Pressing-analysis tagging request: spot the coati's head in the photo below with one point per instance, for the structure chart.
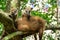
(13, 13)
(26, 12)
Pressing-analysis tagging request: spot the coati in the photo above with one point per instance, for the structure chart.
(30, 24)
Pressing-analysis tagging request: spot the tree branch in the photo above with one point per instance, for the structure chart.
(53, 28)
(12, 35)
(7, 22)
(8, 25)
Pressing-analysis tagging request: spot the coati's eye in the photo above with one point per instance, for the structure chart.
(10, 16)
(26, 11)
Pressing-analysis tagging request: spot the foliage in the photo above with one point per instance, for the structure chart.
(48, 35)
(2, 4)
(43, 15)
(25, 1)
(1, 29)
(32, 1)
(22, 6)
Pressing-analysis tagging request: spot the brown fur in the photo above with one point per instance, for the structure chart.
(33, 24)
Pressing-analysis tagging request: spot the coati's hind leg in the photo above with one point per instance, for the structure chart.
(35, 36)
(40, 33)
(21, 38)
